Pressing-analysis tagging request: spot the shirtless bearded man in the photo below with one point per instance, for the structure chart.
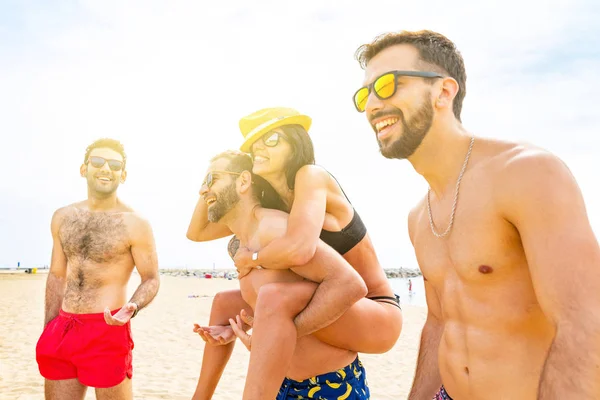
(511, 266)
(309, 367)
(96, 244)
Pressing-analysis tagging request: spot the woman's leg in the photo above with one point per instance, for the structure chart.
(225, 305)
(274, 336)
(367, 327)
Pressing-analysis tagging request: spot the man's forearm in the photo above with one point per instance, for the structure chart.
(427, 379)
(572, 368)
(332, 298)
(145, 292)
(55, 292)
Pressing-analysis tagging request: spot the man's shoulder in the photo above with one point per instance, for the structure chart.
(136, 221)
(528, 174)
(270, 215)
(506, 151)
(271, 223)
(527, 163)
(416, 211)
(414, 216)
(64, 211)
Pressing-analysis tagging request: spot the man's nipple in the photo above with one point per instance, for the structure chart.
(486, 269)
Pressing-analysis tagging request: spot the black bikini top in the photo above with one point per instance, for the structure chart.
(343, 241)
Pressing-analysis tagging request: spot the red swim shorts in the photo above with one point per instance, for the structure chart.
(84, 346)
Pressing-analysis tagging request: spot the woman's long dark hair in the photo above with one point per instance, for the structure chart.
(268, 196)
(303, 152)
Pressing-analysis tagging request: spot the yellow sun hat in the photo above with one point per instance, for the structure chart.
(255, 125)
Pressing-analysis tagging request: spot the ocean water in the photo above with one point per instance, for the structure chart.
(416, 297)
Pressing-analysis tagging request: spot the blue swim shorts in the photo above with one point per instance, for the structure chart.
(348, 383)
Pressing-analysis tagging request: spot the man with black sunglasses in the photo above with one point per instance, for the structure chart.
(236, 200)
(511, 266)
(96, 244)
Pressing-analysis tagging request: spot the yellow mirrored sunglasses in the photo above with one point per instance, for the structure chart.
(384, 86)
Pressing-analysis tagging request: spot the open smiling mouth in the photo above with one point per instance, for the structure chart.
(260, 159)
(383, 128)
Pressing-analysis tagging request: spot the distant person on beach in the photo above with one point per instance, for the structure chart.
(510, 264)
(410, 285)
(306, 365)
(96, 245)
(282, 152)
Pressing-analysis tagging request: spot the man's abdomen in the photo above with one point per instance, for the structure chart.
(93, 287)
(485, 362)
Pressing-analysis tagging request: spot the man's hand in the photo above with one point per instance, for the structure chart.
(238, 328)
(243, 262)
(122, 316)
(215, 335)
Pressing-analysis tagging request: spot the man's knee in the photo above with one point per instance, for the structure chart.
(227, 299)
(225, 305)
(220, 298)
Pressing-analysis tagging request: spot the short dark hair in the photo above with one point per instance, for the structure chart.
(303, 152)
(435, 49)
(238, 161)
(261, 189)
(106, 143)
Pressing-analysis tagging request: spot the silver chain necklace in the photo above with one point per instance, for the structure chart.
(464, 167)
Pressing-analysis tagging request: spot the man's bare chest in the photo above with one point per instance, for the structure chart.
(481, 246)
(96, 237)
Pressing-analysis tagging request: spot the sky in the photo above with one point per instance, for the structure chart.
(171, 79)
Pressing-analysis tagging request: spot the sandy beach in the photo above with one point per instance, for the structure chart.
(167, 355)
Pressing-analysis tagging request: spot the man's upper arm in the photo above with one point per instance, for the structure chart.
(58, 262)
(233, 246)
(412, 222)
(143, 249)
(434, 306)
(541, 198)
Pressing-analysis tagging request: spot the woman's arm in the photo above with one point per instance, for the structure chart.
(298, 245)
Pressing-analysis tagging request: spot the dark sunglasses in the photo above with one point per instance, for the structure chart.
(271, 139)
(98, 162)
(384, 86)
(210, 177)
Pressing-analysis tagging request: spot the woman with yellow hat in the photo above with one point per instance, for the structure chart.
(283, 154)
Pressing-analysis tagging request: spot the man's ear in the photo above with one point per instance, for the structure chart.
(83, 170)
(245, 181)
(447, 92)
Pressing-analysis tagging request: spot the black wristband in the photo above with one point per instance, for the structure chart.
(137, 308)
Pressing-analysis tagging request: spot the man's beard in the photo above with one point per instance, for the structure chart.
(226, 200)
(99, 190)
(413, 133)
